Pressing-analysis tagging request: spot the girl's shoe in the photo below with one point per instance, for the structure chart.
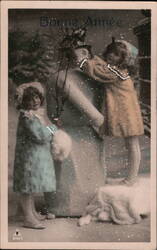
(50, 216)
(32, 225)
(39, 216)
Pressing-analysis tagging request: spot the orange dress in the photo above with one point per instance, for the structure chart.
(120, 106)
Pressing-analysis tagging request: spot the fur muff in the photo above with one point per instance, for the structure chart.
(61, 145)
(119, 203)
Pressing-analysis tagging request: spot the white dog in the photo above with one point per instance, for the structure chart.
(119, 203)
(61, 145)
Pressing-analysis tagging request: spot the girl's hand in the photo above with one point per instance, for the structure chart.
(57, 122)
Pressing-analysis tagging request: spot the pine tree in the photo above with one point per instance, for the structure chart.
(31, 57)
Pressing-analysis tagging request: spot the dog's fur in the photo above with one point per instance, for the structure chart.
(61, 145)
(119, 203)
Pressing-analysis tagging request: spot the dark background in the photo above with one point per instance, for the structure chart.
(118, 23)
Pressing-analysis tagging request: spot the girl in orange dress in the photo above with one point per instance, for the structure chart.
(120, 106)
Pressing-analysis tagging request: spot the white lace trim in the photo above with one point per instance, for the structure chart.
(118, 73)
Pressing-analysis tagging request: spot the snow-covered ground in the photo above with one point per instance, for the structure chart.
(66, 230)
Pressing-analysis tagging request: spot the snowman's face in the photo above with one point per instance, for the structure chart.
(81, 53)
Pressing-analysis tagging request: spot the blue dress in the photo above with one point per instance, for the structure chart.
(33, 166)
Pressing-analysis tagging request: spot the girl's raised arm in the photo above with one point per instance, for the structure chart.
(98, 70)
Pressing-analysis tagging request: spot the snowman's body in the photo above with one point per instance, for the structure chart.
(84, 170)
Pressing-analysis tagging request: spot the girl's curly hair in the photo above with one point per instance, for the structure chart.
(28, 94)
(119, 49)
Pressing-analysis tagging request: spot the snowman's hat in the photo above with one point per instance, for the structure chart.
(74, 40)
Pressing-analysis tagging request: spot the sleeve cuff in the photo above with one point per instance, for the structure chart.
(53, 129)
(82, 63)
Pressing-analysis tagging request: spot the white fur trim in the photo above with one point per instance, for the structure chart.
(61, 145)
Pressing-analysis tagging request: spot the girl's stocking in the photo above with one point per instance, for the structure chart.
(36, 214)
(30, 220)
(134, 158)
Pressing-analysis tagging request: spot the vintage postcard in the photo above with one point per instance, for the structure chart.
(78, 125)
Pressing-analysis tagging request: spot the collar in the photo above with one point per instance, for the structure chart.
(121, 75)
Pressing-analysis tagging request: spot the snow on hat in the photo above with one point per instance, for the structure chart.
(22, 87)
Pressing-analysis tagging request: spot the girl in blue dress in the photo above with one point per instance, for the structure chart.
(33, 166)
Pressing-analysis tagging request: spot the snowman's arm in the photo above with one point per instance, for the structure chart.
(77, 97)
